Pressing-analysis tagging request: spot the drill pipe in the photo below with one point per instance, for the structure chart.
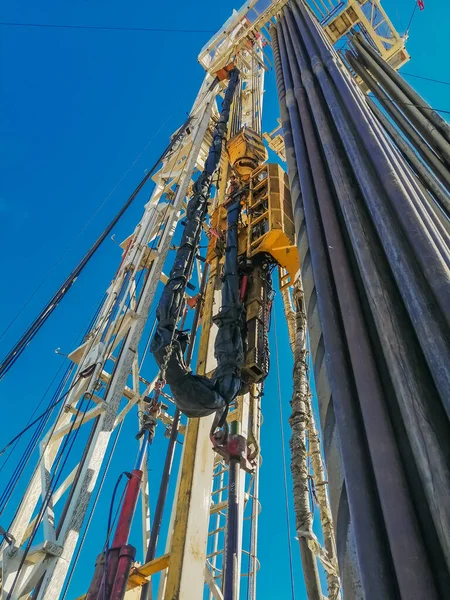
(423, 173)
(384, 216)
(348, 565)
(420, 145)
(401, 527)
(412, 95)
(356, 467)
(421, 276)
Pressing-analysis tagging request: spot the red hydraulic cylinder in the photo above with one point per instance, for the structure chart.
(126, 559)
(113, 566)
(128, 508)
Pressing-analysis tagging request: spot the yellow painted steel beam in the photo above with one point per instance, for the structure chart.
(269, 188)
(391, 49)
(139, 576)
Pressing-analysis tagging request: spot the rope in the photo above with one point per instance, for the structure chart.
(283, 452)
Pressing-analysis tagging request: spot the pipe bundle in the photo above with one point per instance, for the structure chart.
(428, 150)
(375, 267)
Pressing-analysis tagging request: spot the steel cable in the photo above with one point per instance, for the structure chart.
(39, 321)
(283, 453)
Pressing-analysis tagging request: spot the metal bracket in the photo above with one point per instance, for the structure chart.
(9, 539)
(232, 445)
(149, 418)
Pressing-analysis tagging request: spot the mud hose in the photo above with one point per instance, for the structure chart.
(198, 396)
(195, 395)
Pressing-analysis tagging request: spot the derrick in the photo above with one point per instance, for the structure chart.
(357, 229)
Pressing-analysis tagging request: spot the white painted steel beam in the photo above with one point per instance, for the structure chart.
(125, 329)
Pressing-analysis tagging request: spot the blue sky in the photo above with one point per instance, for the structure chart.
(78, 108)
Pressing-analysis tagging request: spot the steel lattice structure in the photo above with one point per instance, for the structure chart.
(355, 182)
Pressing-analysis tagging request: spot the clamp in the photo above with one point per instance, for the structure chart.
(233, 445)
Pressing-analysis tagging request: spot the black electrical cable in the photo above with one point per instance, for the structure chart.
(105, 28)
(33, 413)
(425, 78)
(52, 482)
(74, 562)
(41, 416)
(29, 334)
(25, 458)
(27, 454)
(25, 429)
(60, 451)
(50, 491)
(441, 110)
(110, 526)
(412, 17)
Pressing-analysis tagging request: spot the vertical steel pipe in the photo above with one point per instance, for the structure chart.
(430, 158)
(416, 100)
(436, 231)
(398, 513)
(421, 276)
(407, 151)
(419, 198)
(348, 565)
(425, 316)
(231, 578)
(425, 174)
(420, 122)
(357, 471)
(385, 257)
